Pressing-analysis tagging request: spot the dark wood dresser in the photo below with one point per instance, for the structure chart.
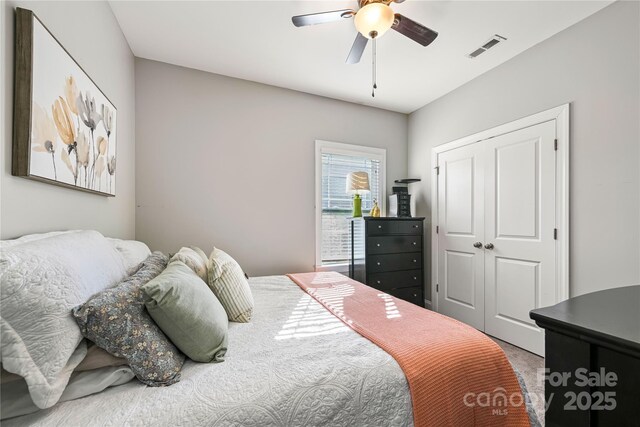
(394, 257)
(594, 342)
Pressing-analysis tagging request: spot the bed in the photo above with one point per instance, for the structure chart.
(294, 364)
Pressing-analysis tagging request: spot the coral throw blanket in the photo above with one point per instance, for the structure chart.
(457, 376)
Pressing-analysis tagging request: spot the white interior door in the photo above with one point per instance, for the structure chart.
(520, 250)
(461, 226)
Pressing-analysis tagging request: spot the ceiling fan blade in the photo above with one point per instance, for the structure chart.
(416, 32)
(322, 17)
(357, 49)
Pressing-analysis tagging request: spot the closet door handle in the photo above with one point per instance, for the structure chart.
(477, 245)
(488, 246)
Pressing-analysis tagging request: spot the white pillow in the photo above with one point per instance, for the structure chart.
(16, 400)
(31, 237)
(41, 282)
(195, 259)
(133, 253)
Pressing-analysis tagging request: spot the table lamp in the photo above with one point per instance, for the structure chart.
(357, 184)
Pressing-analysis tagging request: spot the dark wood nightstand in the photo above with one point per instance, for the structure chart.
(596, 336)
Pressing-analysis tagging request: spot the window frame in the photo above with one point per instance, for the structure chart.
(321, 146)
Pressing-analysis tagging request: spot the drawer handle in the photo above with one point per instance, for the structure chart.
(379, 226)
(378, 263)
(415, 278)
(415, 226)
(415, 243)
(378, 282)
(415, 260)
(378, 245)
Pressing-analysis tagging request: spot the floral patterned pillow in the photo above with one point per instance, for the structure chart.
(116, 320)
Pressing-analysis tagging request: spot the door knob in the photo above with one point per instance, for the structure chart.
(488, 246)
(477, 245)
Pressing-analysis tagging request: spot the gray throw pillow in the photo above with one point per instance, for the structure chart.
(188, 312)
(117, 321)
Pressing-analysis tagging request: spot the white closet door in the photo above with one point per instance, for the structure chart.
(520, 250)
(461, 216)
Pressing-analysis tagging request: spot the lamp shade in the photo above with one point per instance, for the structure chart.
(357, 182)
(374, 19)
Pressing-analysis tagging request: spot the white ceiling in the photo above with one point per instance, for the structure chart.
(255, 40)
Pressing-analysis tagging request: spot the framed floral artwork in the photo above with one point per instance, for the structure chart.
(64, 126)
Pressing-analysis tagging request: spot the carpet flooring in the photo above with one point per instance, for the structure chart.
(528, 365)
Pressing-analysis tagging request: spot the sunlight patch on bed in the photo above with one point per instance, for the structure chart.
(310, 319)
(390, 306)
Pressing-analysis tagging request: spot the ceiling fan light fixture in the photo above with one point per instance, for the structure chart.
(374, 19)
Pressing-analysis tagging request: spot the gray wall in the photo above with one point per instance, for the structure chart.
(227, 162)
(595, 66)
(91, 34)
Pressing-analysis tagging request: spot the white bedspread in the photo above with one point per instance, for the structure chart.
(295, 364)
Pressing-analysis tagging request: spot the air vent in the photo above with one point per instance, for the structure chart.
(491, 43)
(476, 52)
(488, 45)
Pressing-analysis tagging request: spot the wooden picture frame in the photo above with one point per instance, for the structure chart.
(64, 126)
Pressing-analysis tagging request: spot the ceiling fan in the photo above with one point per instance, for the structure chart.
(372, 19)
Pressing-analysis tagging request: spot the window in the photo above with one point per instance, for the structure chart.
(334, 206)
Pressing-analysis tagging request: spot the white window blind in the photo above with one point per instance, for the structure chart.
(337, 205)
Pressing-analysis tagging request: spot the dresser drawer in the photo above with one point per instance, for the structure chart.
(395, 279)
(394, 262)
(393, 244)
(377, 228)
(401, 226)
(412, 295)
(409, 227)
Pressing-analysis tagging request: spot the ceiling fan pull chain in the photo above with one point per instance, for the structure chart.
(373, 56)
